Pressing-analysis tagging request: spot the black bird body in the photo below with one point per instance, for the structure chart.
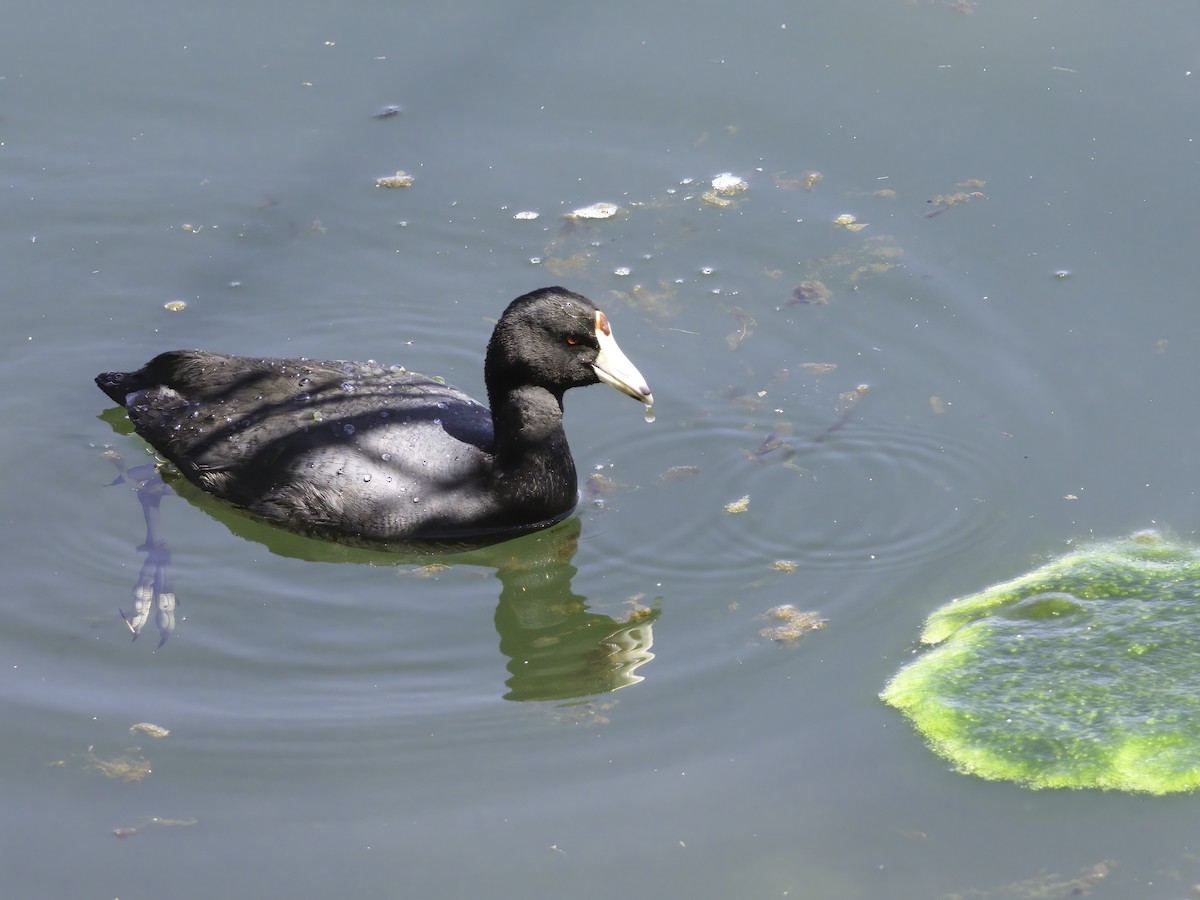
(366, 452)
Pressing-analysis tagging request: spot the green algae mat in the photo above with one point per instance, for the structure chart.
(1084, 673)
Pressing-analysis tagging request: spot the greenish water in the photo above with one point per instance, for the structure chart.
(1003, 364)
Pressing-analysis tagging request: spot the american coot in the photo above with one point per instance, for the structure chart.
(356, 451)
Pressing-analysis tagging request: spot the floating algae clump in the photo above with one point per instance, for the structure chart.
(1084, 673)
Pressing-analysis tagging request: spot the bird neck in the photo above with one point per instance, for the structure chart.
(533, 461)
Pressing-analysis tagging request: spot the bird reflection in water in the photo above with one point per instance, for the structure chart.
(557, 649)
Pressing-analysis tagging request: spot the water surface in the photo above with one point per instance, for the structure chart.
(990, 378)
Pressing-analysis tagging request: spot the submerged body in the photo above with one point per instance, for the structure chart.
(353, 450)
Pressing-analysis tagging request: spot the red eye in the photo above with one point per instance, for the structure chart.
(571, 342)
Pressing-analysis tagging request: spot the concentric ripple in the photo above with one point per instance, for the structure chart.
(867, 494)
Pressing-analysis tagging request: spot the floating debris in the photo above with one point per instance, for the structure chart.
(851, 397)
(154, 731)
(175, 305)
(811, 291)
(131, 830)
(967, 191)
(431, 570)
(185, 821)
(597, 485)
(595, 211)
(847, 403)
(526, 215)
(806, 182)
(818, 368)
(400, 180)
(638, 611)
(724, 187)
(849, 222)
(883, 257)
(729, 184)
(679, 473)
(785, 565)
(769, 445)
(563, 266)
(794, 625)
(745, 327)
(388, 112)
(129, 769)
(738, 506)
(871, 256)
(661, 301)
